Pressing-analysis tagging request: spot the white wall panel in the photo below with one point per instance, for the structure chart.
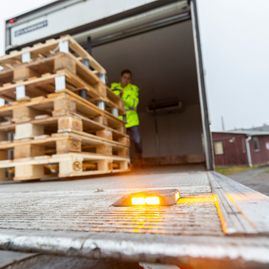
(80, 13)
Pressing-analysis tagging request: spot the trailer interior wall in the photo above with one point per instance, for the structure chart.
(163, 64)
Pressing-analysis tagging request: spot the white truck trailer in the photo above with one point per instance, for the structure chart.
(216, 223)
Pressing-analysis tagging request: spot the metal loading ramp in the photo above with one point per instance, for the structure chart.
(217, 222)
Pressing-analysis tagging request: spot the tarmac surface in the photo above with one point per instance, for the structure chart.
(257, 179)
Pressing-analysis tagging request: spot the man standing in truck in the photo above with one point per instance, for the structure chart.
(129, 93)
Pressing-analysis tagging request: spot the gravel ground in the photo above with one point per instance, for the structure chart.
(257, 179)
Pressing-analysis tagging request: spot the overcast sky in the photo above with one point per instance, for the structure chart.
(235, 43)
(235, 40)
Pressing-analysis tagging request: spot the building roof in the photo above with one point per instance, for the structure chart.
(245, 132)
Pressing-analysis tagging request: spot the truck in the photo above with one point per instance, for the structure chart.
(216, 222)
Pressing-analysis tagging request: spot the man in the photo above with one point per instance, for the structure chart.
(129, 94)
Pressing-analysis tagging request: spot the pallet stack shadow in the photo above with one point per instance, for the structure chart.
(58, 118)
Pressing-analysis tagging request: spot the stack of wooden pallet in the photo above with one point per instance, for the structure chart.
(57, 116)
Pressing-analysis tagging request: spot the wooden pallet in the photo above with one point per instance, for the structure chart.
(62, 80)
(62, 166)
(64, 44)
(62, 103)
(46, 127)
(50, 64)
(64, 143)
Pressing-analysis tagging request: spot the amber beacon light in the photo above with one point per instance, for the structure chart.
(166, 197)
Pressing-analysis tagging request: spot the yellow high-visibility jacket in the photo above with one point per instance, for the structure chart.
(130, 98)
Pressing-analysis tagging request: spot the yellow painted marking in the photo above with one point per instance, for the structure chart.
(212, 198)
(197, 199)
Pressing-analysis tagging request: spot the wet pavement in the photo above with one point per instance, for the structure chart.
(257, 179)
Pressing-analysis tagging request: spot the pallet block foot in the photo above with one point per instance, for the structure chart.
(22, 72)
(124, 140)
(28, 172)
(124, 165)
(123, 152)
(101, 88)
(23, 113)
(3, 155)
(3, 136)
(69, 123)
(68, 145)
(121, 129)
(28, 130)
(28, 150)
(69, 167)
(64, 62)
(105, 134)
(3, 176)
(103, 165)
(104, 149)
(101, 120)
(63, 107)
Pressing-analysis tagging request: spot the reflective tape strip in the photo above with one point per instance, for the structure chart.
(26, 57)
(64, 46)
(20, 92)
(60, 83)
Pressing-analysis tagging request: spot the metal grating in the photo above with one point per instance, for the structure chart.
(76, 218)
(87, 211)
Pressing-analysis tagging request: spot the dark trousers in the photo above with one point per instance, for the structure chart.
(135, 138)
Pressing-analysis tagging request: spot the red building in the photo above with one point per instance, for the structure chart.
(241, 148)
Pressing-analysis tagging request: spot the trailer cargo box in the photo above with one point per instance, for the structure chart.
(159, 42)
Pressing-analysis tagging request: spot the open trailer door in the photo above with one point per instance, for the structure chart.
(207, 139)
